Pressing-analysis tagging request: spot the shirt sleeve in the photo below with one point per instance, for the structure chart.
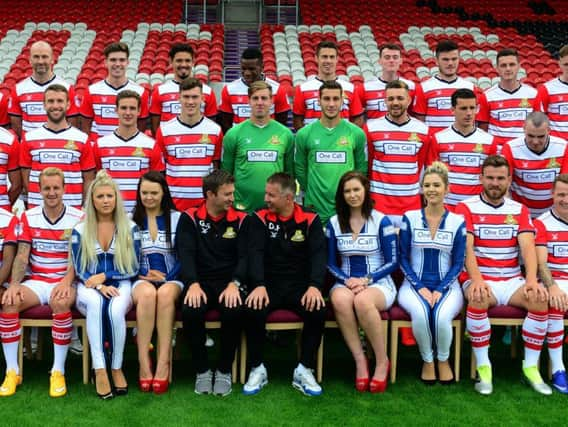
(10, 237)
(86, 108)
(316, 243)
(461, 209)
(387, 239)
(332, 266)
(226, 106)
(211, 105)
(218, 146)
(458, 259)
(25, 155)
(355, 105)
(144, 103)
(289, 154)
(73, 110)
(482, 108)
(14, 156)
(281, 100)
(540, 238)
(4, 119)
(299, 106)
(361, 158)
(87, 158)
(76, 250)
(542, 99)
(405, 236)
(420, 103)
(256, 242)
(156, 159)
(14, 107)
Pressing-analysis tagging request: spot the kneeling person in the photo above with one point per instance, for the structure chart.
(43, 246)
(287, 263)
(212, 253)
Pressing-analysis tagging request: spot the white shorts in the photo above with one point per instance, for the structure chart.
(41, 289)
(502, 290)
(385, 285)
(562, 284)
(157, 285)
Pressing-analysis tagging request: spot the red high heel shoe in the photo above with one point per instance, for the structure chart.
(145, 385)
(362, 384)
(380, 386)
(160, 386)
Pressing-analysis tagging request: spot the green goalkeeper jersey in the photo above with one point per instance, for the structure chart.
(251, 154)
(322, 157)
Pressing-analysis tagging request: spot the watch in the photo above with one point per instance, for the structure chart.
(99, 287)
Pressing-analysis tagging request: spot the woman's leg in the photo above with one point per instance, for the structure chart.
(144, 298)
(117, 309)
(168, 293)
(444, 312)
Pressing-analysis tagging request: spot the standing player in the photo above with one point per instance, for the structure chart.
(508, 103)
(165, 97)
(398, 146)
(26, 104)
(326, 149)
(235, 107)
(127, 153)
(433, 104)
(306, 106)
(191, 146)
(212, 252)
(499, 230)
(552, 98)
(43, 246)
(373, 95)
(58, 144)
(98, 112)
(534, 160)
(551, 244)
(257, 148)
(9, 169)
(463, 148)
(287, 262)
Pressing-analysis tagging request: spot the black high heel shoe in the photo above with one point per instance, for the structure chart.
(119, 391)
(106, 396)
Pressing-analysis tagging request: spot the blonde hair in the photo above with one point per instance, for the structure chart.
(52, 171)
(125, 258)
(439, 169)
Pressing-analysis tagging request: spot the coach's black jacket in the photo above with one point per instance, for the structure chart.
(212, 249)
(286, 253)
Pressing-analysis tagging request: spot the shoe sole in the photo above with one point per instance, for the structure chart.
(304, 391)
(525, 380)
(203, 392)
(255, 391)
(484, 392)
(562, 390)
(223, 394)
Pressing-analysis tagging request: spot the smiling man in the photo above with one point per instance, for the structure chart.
(191, 146)
(127, 153)
(235, 108)
(57, 144)
(26, 105)
(165, 97)
(535, 159)
(257, 148)
(98, 107)
(326, 149)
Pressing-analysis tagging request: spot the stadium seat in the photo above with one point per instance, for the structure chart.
(399, 318)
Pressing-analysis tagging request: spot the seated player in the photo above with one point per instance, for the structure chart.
(286, 269)
(365, 239)
(40, 275)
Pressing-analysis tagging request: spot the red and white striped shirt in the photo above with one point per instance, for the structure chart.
(507, 111)
(49, 242)
(435, 103)
(4, 101)
(9, 161)
(306, 100)
(126, 160)
(68, 150)
(552, 99)
(189, 153)
(397, 154)
(552, 232)
(463, 155)
(534, 174)
(26, 102)
(8, 227)
(165, 101)
(495, 230)
(99, 104)
(235, 99)
(373, 97)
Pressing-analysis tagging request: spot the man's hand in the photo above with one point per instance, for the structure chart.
(258, 298)
(231, 296)
(14, 295)
(194, 296)
(478, 291)
(312, 299)
(61, 291)
(540, 292)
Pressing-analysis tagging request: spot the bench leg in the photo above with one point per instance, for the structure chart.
(393, 352)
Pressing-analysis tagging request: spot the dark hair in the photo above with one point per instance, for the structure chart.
(396, 84)
(56, 87)
(462, 94)
(285, 181)
(341, 206)
(326, 44)
(167, 205)
(216, 179)
(252, 53)
(123, 94)
(495, 161)
(190, 83)
(330, 84)
(391, 46)
(116, 47)
(446, 46)
(180, 47)
(507, 52)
